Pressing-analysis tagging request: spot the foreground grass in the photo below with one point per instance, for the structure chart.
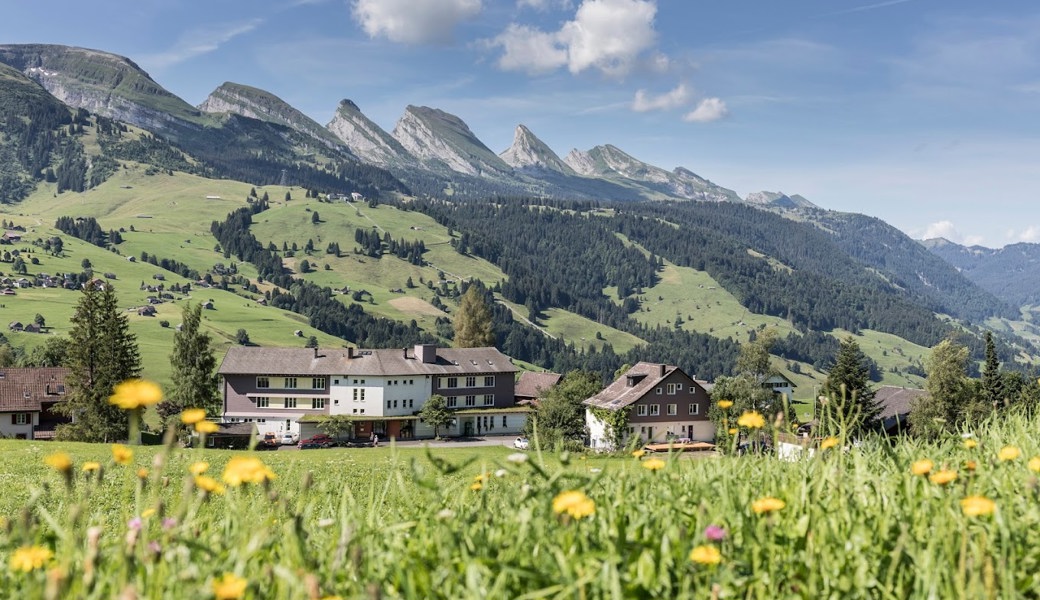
(396, 523)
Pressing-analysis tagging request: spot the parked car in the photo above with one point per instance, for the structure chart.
(318, 440)
(521, 443)
(268, 442)
(290, 439)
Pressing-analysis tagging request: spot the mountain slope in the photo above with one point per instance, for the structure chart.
(532, 155)
(778, 200)
(366, 139)
(442, 139)
(1010, 273)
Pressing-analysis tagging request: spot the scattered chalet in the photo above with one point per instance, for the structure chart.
(27, 399)
(532, 386)
(382, 391)
(780, 386)
(895, 403)
(662, 401)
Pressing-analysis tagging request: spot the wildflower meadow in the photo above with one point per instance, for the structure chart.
(958, 518)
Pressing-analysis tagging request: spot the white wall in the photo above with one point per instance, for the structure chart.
(377, 390)
(10, 430)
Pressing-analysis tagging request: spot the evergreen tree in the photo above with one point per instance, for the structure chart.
(315, 218)
(848, 389)
(560, 416)
(194, 377)
(992, 382)
(948, 391)
(435, 413)
(102, 353)
(473, 324)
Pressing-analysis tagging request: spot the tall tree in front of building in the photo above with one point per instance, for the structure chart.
(473, 324)
(847, 389)
(102, 353)
(194, 365)
(948, 389)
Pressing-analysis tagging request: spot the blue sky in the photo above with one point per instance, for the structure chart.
(925, 113)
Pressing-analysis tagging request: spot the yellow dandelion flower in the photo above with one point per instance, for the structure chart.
(970, 443)
(767, 505)
(476, 486)
(725, 404)
(828, 443)
(752, 420)
(922, 467)
(1009, 453)
(29, 558)
(706, 555)
(732, 431)
(59, 460)
(208, 484)
(135, 393)
(193, 416)
(1034, 464)
(142, 473)
(147, 513)
(575, 503)
(653, 464)
(122, 454)
(639, 453)
(943, 477)
(198, 468)
(207, 427)
(243, 469)
(229, 587)
(977, 506)
(91, 466)
(970, 465)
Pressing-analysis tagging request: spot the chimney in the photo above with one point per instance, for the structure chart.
(663, 369)
(350, 352)
(427, 353)
(315, 352)
(405, 352)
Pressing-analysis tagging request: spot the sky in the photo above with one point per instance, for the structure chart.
(924, 113)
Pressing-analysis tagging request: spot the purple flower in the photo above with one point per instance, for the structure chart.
(135, 524)
(169, 523)
(154, 547)
(714, 533)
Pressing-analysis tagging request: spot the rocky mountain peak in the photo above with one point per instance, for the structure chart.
(366, 139)
(528, 153)
(438, 138)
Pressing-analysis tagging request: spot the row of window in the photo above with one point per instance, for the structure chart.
(469, 381)
(410, 403)
(263, 382)
(654, 410)
(487, 400)
(673, 389)
(265, 402)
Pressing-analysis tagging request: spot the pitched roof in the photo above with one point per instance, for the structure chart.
(532, 384)
(895, 401)
(631, 386)
(23, 388)
(242, 360)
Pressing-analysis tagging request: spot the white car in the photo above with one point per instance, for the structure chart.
(290, 439)
(521, 443)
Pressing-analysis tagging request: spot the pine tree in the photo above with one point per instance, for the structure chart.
(102, 353)
(947, 387)
(992, 382)
(848, 388)
(473, 324)
(195, 383)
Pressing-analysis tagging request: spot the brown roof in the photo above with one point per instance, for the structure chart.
(895, 401)
(349, 361)
(533, 384)
(643, 376)
(23, 388)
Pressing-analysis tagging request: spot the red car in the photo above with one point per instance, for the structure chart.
(318, 440)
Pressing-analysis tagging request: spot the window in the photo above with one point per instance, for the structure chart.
(388, 404)
(673, 409)
(655, 410)
(21, 418)
(362, 397)
(317, 403)
(489, 381)
(453, 382)
(317, 383)
(335, 381)
(290, 403)
(673, 388)
(395, 403)
(489, 399)
(355, 394)
(471, 381)
(453, 401)
(658, 391)
(411, 403)
(695, 409)
(471, 400)
(263, 383)
(290, 383)
(504, 421)
(263, 402)
(641, 410)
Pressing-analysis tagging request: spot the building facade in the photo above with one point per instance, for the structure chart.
(663, 403)
(380, 391)
(28, 396)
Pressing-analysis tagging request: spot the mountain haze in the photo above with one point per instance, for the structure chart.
(1010, 273)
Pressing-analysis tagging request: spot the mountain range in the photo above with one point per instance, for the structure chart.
(247, 134)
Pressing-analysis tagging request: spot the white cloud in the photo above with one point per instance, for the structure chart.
(1029, 234)
(414, 21)
(605, 35)
(542, 4)
(708, 110)
(197, 42)
(946, 229)
(644, 102)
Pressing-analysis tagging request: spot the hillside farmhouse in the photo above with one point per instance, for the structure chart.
(663, 403)
(382, 391)
(27, 399)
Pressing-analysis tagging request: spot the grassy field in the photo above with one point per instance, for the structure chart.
(866, 522)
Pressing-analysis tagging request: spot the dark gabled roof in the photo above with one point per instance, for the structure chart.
(23, 388)
(643, 376)
(532, 384)
(896, 401)
(243, 360)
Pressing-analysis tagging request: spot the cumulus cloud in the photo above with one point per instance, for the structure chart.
(645, 102)
(708, 110)
(1029, 234)
(414, 21)
(605, 35)
(946, 229)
